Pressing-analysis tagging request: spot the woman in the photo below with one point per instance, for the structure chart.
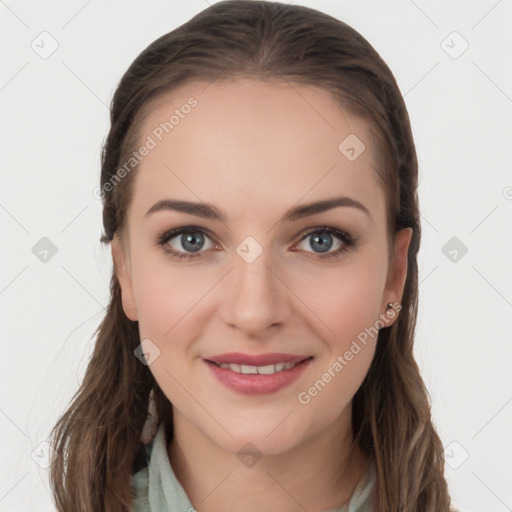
(259, 184)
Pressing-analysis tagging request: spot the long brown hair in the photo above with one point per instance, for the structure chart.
(98, 437)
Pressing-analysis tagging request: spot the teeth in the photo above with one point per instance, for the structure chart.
(248, 369)
(267, 370)
(261, 370)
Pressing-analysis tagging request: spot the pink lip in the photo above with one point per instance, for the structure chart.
(255, 384)
(256, 360)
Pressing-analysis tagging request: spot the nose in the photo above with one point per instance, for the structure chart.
(255, 295)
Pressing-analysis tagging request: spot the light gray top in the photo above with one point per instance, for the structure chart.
(157, 489)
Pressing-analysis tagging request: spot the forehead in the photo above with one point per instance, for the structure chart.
(248, 145)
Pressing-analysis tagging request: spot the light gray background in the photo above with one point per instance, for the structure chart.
(53, 121)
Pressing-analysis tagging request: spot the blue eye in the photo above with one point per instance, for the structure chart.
(192, 240)
(323, 241)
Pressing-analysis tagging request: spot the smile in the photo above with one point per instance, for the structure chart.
(257, 380)
(261, 370)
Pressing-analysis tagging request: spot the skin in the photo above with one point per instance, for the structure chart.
(255, 150)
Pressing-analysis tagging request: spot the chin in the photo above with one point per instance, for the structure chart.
(258, 445)
(263, 437)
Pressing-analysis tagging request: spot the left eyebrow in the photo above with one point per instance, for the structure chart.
(208, 211)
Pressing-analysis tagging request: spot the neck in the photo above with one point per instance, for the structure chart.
(320, 473)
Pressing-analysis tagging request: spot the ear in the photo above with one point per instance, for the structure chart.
(123, 272)
(397, 270)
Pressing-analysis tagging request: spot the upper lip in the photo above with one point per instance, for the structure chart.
(256, 360)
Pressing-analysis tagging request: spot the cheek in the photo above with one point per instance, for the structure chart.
(167, 298)
(348, 308)
(172, 311)
(347, 303)
(168, 305)
(346, 299)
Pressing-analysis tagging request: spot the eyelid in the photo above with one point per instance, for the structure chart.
(327, 229)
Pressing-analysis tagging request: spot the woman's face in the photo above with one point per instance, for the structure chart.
(253, 279)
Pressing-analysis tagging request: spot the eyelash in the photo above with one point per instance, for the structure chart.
(348, 241)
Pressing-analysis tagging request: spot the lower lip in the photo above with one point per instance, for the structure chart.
(255, 384)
